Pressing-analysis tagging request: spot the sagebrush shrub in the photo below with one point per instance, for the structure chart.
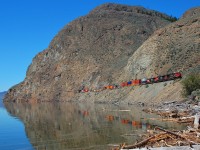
(191, 83)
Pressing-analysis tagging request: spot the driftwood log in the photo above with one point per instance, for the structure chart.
(142, 143)
(177, 135)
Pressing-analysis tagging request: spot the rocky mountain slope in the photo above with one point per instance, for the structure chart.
(113, 43)
(175, 47)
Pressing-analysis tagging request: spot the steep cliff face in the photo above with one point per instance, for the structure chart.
(90, 51)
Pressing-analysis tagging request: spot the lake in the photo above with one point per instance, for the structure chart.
(73, 126)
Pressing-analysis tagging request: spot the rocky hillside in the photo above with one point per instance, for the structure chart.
(113, 43)
(175, 47)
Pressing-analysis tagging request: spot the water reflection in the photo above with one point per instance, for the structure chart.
(82, 126)
(12, 134)
(137, 124)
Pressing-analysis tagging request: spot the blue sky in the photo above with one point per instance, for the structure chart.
(28, 26)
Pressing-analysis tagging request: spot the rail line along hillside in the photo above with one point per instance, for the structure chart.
(134, 82)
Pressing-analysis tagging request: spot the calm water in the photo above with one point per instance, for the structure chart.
(12, 133)
(72, 126)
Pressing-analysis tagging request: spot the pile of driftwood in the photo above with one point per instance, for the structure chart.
(180, 112)
(164, 138)
(174, 116)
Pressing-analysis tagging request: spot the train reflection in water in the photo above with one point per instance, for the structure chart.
(136, 124)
